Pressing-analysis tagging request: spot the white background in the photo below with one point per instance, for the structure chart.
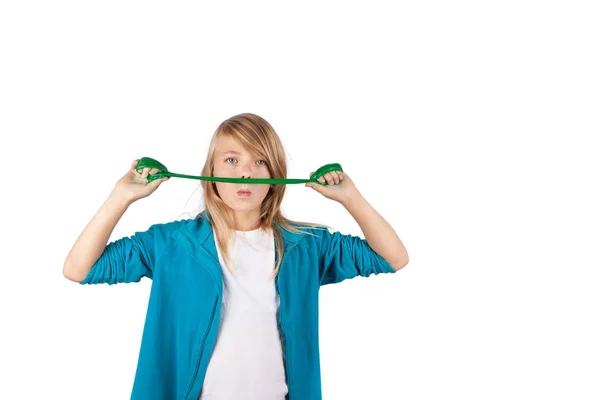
(472, 127)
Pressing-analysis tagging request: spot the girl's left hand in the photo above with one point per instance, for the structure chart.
(339, 186)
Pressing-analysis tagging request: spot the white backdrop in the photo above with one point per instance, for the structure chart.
(470, 126)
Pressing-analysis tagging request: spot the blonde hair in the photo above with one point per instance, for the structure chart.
(257, 136)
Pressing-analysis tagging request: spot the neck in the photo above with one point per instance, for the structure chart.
(246, 220)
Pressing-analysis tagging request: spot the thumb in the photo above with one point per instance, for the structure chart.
(156, 183)
(315, 186)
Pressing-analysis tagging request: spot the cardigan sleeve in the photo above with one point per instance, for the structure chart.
(346, 256)
(127, 259)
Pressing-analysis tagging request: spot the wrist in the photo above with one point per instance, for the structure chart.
(352, 200)
(119, 199)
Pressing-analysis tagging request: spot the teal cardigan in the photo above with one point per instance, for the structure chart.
(184, 307)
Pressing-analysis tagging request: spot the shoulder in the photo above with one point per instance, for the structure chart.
(163, 231)
(307, 235)
(169, 225)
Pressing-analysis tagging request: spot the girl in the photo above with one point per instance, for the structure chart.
(233, 307)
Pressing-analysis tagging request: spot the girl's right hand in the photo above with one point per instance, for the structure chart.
(134, 185)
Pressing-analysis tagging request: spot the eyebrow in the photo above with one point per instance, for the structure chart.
(235, 152)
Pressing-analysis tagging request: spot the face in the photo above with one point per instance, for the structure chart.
(233, 161)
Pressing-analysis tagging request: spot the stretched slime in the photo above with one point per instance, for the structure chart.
(147, 162)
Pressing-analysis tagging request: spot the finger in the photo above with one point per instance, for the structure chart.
(145, 172)
(340, 175)
(335, 177)
(154, 171)
(320, 179)
(134, 166)
(329, 178)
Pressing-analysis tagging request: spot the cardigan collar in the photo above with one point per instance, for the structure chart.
(199, 231)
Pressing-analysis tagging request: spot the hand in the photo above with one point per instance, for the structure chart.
(340, 187)
(134, 185)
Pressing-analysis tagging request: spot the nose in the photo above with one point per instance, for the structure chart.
(246, 171)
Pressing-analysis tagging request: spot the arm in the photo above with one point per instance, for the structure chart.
(347, 256)
(377, 231)
(91, 260)
(92, 241)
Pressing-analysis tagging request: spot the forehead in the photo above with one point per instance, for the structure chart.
(228, 144)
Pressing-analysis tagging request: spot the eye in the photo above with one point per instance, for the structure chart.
(262, 161)
(230, 158)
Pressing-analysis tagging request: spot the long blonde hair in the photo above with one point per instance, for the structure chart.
(257, 136)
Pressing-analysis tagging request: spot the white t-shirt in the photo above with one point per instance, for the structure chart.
(247, 361)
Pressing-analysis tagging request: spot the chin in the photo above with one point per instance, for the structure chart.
(241, 206)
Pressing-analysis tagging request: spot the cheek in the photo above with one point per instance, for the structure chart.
(223, 189)
(264, 191)
(217, 171)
